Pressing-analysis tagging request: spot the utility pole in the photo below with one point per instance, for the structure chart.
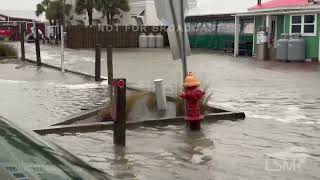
(62, 36)
(37, 43)
(169, 11)
(183, 42)
(22, 33)
(183, 52)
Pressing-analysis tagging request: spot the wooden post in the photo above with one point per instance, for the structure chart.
(119, 112)
(37, 42)
(110, 64)
(98, 63)
(22, 31)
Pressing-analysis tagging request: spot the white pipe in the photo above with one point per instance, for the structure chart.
(160, 94)
(62, 50)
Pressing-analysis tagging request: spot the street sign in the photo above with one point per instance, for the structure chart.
(174, 40)
(169, 13)
(166, 16)
(118, 83)
(172, 13)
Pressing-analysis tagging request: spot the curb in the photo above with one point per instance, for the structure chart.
(218, 113)
(66, 70)
(79, 116)
(102, 126)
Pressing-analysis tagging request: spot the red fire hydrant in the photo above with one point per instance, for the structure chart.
(193, 96)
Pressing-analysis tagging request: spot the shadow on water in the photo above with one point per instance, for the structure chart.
(195, 143)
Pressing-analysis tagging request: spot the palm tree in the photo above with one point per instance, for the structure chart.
(87, 5)
(43, 8)
(53, 10)
(110, 8)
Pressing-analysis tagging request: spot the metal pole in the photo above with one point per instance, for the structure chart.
(183, 52)
(22, 31)
(62, 37)
(183, 42)
(98, 63)
(176, 24)
(62, 50)
(110, 64)
(38, 53)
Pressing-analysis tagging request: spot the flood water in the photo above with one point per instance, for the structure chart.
(278, 140)
(39, 97)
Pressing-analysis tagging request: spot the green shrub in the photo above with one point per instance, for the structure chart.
(7, 50)
(150, 99)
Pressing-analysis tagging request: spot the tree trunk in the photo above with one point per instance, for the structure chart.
(90, 17)
(112, 18)
(108, 18)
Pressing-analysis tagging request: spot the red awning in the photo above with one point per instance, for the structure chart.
(280, 3)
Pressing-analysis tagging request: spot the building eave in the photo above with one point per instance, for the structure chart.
(278, 12)
(305, 7)
(11, 17)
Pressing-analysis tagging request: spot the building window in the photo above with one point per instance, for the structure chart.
(304, 24)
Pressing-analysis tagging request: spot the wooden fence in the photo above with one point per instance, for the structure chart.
(118, 36)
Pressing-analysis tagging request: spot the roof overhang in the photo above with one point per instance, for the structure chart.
(136, 11)
(278, 12)
(305, 7)
(16, 18)
(209, 17)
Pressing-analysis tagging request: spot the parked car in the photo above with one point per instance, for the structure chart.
(5, 34)
(25, 156)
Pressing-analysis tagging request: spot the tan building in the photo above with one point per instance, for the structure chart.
(142, 12)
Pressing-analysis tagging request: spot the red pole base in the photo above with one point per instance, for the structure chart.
(194, 126)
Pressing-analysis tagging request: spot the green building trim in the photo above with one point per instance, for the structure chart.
(284, 25)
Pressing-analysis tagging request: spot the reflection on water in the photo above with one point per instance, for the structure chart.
(150, 153)
(225, 150)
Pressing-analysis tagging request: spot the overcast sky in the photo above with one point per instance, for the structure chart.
(205, 6)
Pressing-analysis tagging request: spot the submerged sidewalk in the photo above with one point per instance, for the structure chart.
(34, 97)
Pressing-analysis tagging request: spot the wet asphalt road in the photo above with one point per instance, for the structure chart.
(278, 140)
